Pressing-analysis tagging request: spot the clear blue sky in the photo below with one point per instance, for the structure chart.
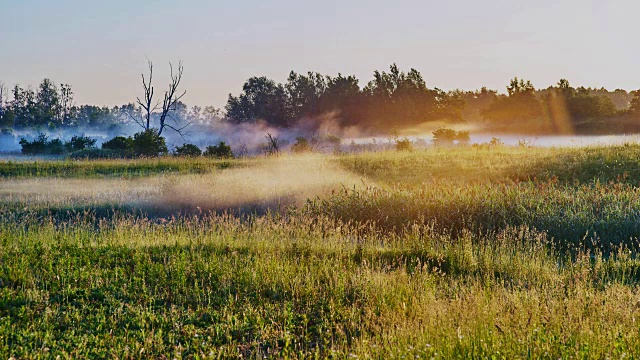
(99, 47)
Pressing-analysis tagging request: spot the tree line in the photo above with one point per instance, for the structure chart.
(393, 99)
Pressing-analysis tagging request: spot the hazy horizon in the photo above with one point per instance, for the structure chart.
(100, 49)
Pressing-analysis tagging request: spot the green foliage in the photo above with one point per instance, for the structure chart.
(222, 150)
(119, 143)
(41, 145)
(403, 97)
(392, 99)
(188, 150)
(262, 99)
(79, 143)
(117, 165)
(149, 144)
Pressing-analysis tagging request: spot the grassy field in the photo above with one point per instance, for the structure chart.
(445, 253)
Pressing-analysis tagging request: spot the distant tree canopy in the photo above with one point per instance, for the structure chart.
(393, 99)
(635, 103)
(557, 109)
(520, 106)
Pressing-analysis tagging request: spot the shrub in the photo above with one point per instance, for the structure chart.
(119, 143)
(332, 139)
(55, 147)
(149, 143)
(42, 146)
(37, 146)
(444, 136)
(463, 138)
(188, 150)
(496, 142)
(404, 144)
(301, 145)
(222, 150)
(80, 143)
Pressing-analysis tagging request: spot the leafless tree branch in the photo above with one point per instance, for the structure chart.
(3, 93)
(170, 96)
(169, 103)
(148, 97)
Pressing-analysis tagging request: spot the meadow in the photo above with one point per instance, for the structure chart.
(474, 252)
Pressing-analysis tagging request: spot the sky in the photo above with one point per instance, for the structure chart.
(100, 48)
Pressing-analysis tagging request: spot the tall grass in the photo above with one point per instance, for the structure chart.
(101, 168)
(459, 254)
(217, 286)
(593, 215)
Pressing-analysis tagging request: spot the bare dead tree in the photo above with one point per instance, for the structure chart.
(170, 101)
(3, 94)
(147, 102)
(273, 144)
(243, 151)
(314, 142)
(171, 98)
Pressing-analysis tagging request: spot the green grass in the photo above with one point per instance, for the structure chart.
(474, 253)
(101, 168)
(501, 164)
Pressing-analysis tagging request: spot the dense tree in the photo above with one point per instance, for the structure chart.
(475, 102)
(635, 103)
(578, 108)
(47, 105)
(392, 99)
(303, 94)
(23, 107)
(6, 115)
(343, 99)
(401, 99)
(261, 99)
(520, 107)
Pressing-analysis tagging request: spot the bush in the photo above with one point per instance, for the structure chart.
(42, 146)
(80, 143)
(404, 144)
(188, 150)
(463, 138)
(496, 142)
(149, 143)
(444, 136)
(301, 145)
(222, 150)
(119, 143)
(55, 147)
